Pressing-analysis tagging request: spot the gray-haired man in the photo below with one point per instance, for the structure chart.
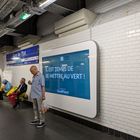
(37, 95)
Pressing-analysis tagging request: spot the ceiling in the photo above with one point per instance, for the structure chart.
(13, 27)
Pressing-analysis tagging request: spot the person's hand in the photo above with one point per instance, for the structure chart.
(43, 93)
(43, 98)
(18, 91)
(29, 82)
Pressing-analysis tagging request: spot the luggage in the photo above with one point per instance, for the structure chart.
(12, 98)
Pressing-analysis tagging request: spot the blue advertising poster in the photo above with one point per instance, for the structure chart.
(23, 57)
(68, 74)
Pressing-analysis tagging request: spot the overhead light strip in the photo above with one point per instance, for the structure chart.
(46, 3)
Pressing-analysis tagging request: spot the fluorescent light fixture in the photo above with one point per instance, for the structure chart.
(46, 3)
(24, 15)
(15, 58)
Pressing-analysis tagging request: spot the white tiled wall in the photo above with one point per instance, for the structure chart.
(119, 45)
(118, 35)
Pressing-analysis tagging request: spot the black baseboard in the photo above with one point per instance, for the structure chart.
(95, 126)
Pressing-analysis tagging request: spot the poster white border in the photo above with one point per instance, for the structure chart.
(79, 106)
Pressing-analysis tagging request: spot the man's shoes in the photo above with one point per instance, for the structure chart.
(34, 122)
(40, 125)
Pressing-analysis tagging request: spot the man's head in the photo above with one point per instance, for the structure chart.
(34, 70)
(22, 81)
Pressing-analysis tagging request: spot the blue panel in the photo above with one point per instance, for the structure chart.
(68, 74)
(23, 57)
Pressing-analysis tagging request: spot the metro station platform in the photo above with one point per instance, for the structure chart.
(14, 125)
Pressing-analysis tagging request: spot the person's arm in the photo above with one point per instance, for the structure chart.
(17, 90)
(43, 87)
(43, 93)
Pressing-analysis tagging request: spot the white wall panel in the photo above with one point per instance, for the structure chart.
(79, 106)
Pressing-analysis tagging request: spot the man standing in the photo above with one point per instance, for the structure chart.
(37, 96)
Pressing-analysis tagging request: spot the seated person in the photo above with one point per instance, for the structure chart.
(6, 86)
(22, 88)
